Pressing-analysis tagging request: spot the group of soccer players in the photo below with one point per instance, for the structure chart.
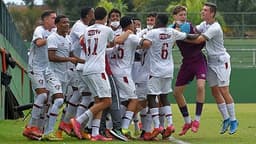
(108, 71)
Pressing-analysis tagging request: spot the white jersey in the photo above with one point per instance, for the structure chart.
(125, 56)
(62, 45)
(141, 70)
(143, 32)
(111, 55)
(77, 31)
(38, 56)
(214, 35)
(96, 39)
(160, 53)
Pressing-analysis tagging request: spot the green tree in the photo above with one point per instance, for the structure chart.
(117, 4)
(25, 20)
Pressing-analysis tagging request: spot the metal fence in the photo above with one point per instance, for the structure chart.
(9, 31)
(240, 58)
(236, 24)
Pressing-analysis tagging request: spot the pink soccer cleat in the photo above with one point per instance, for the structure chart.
(185, 128)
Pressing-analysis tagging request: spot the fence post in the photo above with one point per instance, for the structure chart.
(253, 57)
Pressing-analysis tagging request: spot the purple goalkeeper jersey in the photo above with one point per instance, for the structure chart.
(189, 51)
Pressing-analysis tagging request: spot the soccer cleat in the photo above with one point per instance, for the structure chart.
(233, 127)
(195, 126)
(168, 131)
(58, 134)
(185, 128)
(27, 133)
(33, 131)
(127, 133)
(66, 127)
(107, 133)
(156, 132)
(100, 137)
(118, 134)
(76, 127)
(225, 125)
(51, 137)
(85, 135)
(146, 136)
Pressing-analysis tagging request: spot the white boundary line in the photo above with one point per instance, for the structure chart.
(177, 141)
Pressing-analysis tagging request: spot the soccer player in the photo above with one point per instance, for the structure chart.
(151, 19)
(80, 98)
(141, 80)
(43, 79)
(59, 51)
(161, 71)
(137, 25)
(114, 110)
(96, 39)
(193, 65)
(122, 72)
(219, 68)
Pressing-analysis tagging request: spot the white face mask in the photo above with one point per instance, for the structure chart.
(150, 27)
(179, 22)
(115, 24)
(138, 30)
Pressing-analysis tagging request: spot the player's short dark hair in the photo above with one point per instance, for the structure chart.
(114, 11)
(213, 7)
(136, 19)
(153, 14)
(85, 11)
(46, 14)
(100, 13)
(178, 9)
(162, 20)
(58, 18)
(125, 21)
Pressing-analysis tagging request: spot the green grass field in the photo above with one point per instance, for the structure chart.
(208, 134)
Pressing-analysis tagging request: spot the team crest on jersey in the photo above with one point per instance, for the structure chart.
(41, 81)
(57, 87)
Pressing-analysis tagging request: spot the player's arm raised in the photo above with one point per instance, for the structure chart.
(121, 38)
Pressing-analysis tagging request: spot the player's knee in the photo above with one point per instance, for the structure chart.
(41, 99)
(58, 102)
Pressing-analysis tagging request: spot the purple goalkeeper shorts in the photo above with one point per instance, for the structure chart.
(189, 70)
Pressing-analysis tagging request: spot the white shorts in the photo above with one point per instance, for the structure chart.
(74, 78)
(98, 84)
(45, 79)
(82, 86)
(157, 86)
(125, 87)
(65, 80)
(141, 90)
(219, 75)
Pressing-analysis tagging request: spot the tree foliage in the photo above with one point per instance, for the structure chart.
(117, 4)
(26, 20)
